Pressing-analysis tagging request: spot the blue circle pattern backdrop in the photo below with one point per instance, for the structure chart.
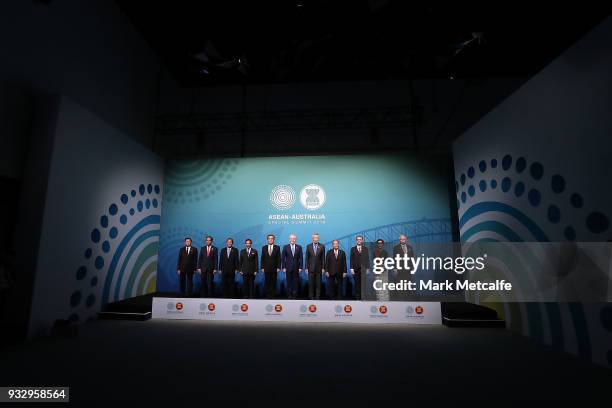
(120, 259)
(510, 198)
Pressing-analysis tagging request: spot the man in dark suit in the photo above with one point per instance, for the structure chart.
(315, 265)
(186, 265)
(291, 262)
(228, 265)
(249, 264)
(335, 269)
(360, 262)
(401, 249)
(270, 265)
(207, 266)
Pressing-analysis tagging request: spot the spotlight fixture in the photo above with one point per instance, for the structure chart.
(477, 38)
(210, 60)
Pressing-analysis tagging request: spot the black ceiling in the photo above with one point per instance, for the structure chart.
(307, 40)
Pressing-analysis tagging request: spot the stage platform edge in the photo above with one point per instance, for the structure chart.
(282, 310)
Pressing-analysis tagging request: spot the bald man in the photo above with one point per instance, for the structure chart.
(401, 249)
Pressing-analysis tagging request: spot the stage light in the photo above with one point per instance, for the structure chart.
(478, 36)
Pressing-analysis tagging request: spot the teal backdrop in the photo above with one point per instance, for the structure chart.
(379, 196)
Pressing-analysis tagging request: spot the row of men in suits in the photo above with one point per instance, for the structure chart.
(290, 259)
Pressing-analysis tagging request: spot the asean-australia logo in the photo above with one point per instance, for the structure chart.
(312, 197)
(282, 197)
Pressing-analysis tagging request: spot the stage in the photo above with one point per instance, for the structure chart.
(282, 310)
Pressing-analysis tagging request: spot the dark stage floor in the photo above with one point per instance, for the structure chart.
(190, 363)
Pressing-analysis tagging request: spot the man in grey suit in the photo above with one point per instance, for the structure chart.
(402, 249)
(315, 265)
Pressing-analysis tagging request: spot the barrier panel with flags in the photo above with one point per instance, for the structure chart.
(341, 311)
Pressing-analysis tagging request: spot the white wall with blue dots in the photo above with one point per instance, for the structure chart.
(537, 169)
(100, 232)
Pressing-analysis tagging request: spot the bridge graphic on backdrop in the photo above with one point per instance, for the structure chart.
(423, 230)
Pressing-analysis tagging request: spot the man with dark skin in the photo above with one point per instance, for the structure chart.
(381, 252)
(360, 262)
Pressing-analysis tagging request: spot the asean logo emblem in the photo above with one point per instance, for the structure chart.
(211, 307)
(244, 307)
(282, 197)
(312, 308)
(179, 306)
(278, 308)
(418, 309)
(312, 197)
(348, 309)
(382, 309)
